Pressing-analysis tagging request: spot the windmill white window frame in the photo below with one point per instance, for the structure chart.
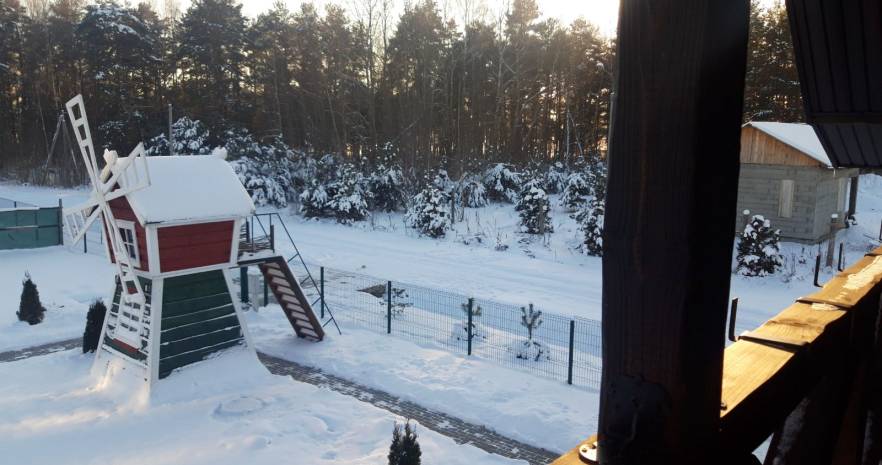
(129, 236)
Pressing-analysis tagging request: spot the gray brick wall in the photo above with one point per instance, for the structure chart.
(814, 198)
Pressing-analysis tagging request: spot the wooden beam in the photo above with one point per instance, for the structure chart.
(673, 170)
(764, 383)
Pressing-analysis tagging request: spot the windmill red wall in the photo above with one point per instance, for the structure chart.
(194, 245)
(123, 211)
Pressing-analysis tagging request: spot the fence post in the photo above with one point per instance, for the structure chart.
(388, 307)
(243, 284)
(322, 289)
(471, 307)
(86, 242)
(265, 292)
(570, 360)
(840, 265)
(817, 269)
(272, 236)
(60, 223)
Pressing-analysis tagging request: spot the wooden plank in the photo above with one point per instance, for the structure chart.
(762, 384)
(668, 229)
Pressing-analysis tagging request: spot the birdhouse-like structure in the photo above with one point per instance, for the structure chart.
(173, 232)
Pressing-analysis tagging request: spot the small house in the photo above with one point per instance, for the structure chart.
(787, 177)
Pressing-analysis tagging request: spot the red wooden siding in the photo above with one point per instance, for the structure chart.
(194, 245)
(123, 211)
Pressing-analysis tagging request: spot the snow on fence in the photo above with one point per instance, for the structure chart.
(561, 348)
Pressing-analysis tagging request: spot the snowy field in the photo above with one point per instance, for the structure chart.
(228, 410)
(51, 399)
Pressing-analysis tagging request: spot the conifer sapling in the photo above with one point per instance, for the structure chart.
(94, 322)
(405, 450)
(30, 309)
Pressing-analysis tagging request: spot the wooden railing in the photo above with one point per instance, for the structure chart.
(805, 377)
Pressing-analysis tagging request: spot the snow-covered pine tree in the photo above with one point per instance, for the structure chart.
(555, 178)
(597, 176)
(534, 208)
(502, 183)
(314, 200)
(386, 182)
(191, 138)
(405, 449)
(590, 221)
(266, 171)
(531, 320)
(461, 331)
(473, 194)
(759, 253)
(30, 309)
(94, 322)
(429, 212)
(347, 201)
(575, 192)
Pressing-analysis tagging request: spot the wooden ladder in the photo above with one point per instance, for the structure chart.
(290, 297)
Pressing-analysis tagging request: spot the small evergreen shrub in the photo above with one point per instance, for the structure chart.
(575, 192)
(590, 221)
(94, 323)
(531, 320)
(759, 253)
(461, 331)
(405, 449)
(535, 210)
(386, 183)
(555, 178)
(474, 194)
(429, 213)
(30, 309)
(347, 200)
(502, 183)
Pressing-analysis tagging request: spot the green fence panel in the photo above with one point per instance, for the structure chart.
(30, 228)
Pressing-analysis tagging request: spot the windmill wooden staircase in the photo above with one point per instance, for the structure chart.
(290, 296)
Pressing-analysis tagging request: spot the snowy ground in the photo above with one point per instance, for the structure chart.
(229, 410)
(515, 403)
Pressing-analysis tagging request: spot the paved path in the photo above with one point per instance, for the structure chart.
(462, 432)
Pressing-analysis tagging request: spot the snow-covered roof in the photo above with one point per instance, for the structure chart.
(182, 188)
(800, 136)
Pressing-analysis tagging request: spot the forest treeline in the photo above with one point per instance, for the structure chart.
(458, 90)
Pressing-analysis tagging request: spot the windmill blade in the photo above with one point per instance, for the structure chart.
(76, 110)
(77, 222)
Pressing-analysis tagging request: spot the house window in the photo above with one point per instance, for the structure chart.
(842, 195)
(129, 240)
(785, 200)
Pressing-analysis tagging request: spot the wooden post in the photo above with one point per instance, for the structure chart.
(852, 198)
(673, 180)
(831, 243)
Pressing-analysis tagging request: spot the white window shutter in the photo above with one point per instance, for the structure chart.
(785, 201)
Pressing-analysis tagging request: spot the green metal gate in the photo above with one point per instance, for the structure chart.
(30, 227)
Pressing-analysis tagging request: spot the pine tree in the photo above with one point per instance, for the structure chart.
(529, 349)
(461, 331)
(30, 309)
(386, 182)
(759, 253)
(94, 323)
(590, 221)
(575, 192)
(535, 210)
(502, 183)
(429, 212)
(405, 450)
(555, 178)
(473, 194)
(191, 138)
(347, 201)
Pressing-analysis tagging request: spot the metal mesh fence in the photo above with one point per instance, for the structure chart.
(524, 337)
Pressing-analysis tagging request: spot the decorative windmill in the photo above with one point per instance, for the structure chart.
(118, 179)
(173, 233)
